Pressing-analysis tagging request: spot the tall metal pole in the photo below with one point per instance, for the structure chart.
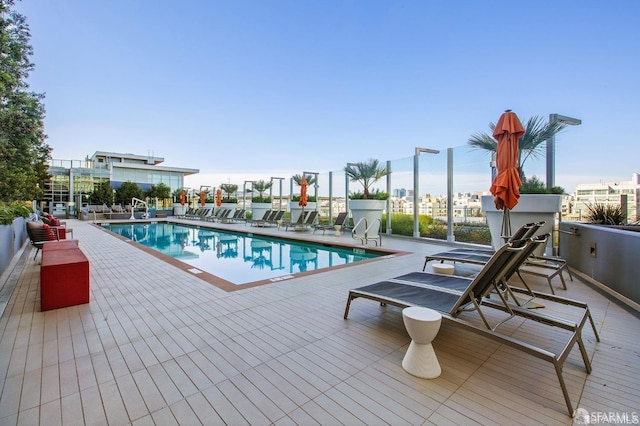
(551, 146)
(346, 190)
(271, 191)
(551, 155)
(330, 198)
(450, 237)
(416, 198)
(389, 198)
(416, 187)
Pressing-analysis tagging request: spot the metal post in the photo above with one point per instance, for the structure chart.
(330, 198)
(551, 146)
(346, 188)
(244, 193)
(271, 192)
(416, 188)
(450, 237)
(389, 198)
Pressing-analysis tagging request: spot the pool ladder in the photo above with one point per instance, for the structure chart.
(367, 230)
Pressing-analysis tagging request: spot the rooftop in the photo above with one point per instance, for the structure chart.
(158, 345)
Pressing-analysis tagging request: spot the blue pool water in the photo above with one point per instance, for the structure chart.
(236, 257)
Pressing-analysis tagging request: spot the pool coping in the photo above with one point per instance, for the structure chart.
(228, 285)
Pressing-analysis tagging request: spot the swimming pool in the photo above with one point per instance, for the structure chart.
(237, 258)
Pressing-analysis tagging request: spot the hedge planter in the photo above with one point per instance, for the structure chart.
(371, 210)
(259, 209)
(296, 210)
(530, 208)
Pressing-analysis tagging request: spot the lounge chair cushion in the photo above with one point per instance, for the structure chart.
(49, 233)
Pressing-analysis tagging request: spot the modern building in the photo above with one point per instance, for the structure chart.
(611, 194)
(73, 180)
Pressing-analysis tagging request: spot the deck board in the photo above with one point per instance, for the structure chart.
(158, 345)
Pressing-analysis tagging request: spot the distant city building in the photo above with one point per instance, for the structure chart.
(613, 194)
(399, 192)
(73, 180)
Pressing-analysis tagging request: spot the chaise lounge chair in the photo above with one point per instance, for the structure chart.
(238, 215)
(306, 223)
(340, 221)
(254, 221)
(543, 267)
(300, 221)
(452, 295)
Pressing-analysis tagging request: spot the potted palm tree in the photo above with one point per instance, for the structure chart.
(229, 199)
(537, 203)
(295, 209)
(367, 204)
(260, 203)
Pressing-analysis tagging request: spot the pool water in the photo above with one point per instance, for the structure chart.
(236, 257)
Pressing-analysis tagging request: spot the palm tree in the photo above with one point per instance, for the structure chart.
(229, 189)
(367, 173)
(532, 143)
(261, 187)
(311, 179)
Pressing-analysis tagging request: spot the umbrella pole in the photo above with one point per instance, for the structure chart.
(506, 225)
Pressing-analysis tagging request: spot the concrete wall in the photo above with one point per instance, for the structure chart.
(606, 254)
(11, 239)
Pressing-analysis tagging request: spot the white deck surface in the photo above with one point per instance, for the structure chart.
(158, 345)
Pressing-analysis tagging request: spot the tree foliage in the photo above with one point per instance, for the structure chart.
(229, 189)
(367, 173)
(159, 191)
(261, 187)
(102, 194)
(127, 191)
(23, 153)
(531, 144)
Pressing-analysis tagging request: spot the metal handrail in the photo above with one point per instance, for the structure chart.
(366, 238)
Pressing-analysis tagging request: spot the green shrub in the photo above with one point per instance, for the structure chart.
(534, 185)
(310, 199)
(605, 214)
(373, 195)
(472, 233)
(8, 212)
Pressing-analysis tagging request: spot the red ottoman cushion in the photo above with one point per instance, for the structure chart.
(64, 278)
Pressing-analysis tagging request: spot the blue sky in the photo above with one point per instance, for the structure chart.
(244, 89)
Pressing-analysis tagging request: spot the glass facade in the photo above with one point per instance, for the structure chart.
(72, 181)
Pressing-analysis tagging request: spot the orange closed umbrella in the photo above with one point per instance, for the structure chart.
(202, 198)
(182, 198)
(218, 198)
(506, 186)
(303, 193)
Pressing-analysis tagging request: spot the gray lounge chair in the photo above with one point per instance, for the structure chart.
(307, 222)
(274, 219)
(340, 221)
(453, 295)
(300, 221)
(543, 267)
(254, 221)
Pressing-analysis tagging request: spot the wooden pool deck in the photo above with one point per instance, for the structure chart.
(158, 345)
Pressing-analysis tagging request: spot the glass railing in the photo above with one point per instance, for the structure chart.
(450, 184)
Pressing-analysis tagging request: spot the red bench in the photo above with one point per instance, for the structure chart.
(64, 275)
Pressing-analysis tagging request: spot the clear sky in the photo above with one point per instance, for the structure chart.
(244, 88)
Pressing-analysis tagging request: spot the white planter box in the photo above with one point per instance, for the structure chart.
(259, 209)
(371, 210)
(296, 210)
(530, 208)
(179, 210)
